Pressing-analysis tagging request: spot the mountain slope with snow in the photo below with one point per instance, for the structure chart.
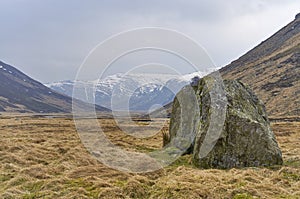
(135, 92)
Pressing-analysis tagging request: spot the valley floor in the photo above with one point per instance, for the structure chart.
(44, 158)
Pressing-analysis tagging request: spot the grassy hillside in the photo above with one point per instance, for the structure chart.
(272, 69)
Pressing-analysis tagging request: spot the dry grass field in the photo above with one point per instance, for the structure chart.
(44, 158)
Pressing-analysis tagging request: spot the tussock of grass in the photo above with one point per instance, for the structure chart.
(44, 158)
(166, 137)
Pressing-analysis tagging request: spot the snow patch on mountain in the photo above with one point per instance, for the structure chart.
(137, 92)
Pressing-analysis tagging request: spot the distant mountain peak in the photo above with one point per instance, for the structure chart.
(142, 89)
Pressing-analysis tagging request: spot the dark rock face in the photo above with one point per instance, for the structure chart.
(224, 131)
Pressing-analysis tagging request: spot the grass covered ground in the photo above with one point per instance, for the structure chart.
(44, 158)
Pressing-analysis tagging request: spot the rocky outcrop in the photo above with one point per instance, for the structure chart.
(224, 125)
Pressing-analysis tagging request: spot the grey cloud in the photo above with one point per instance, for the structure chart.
(49, 39)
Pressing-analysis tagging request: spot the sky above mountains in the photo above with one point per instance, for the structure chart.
(49, 39)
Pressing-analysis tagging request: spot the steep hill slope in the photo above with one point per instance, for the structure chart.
(20, 93)
(272, 69)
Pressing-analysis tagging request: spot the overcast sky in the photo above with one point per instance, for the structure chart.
(49, 39)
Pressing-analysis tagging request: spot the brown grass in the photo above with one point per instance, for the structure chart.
(44, 158)
(279, 69)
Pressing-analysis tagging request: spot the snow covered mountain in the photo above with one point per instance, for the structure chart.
(136, 92)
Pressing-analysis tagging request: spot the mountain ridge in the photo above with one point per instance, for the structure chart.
(21, 93)
(272, 70)
(141, 90)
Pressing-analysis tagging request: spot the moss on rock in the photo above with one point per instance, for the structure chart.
(245, 138)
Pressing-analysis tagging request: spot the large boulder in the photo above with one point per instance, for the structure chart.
(224, 125)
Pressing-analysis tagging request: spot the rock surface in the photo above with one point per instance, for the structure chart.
(223, 130)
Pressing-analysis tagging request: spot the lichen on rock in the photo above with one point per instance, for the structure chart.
(223, 130)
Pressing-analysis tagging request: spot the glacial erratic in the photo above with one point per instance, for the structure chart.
(223, 131)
